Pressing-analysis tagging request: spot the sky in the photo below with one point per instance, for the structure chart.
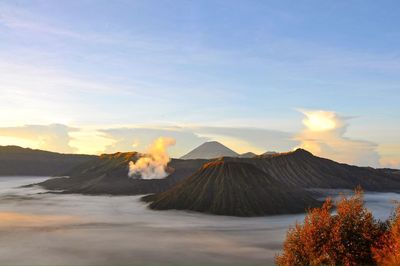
(106, 76)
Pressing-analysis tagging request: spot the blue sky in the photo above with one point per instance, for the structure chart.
(95, 67)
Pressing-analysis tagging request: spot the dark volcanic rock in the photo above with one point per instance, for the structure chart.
(301, 168)
(15, 161)
(233, 188)
(108, 174)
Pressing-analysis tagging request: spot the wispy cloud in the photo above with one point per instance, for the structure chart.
(138, 138)
(324, 135)
(37, 94)
(75, 70)
(17, 18)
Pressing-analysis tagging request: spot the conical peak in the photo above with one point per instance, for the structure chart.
(301, 151)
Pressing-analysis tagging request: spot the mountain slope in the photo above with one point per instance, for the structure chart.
(15, 160)
(247, 155)
(108, 174)
(301, 168)
(269, 153)
(232, 188)
(210, 150)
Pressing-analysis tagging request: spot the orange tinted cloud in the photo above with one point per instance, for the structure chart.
(324, 135)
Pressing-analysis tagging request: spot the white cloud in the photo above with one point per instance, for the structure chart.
(390, 155)
(324, 135)
(44, 94)
(245, 139)
(125, 137)
(54, 137)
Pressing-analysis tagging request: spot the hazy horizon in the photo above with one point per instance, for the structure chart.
(97, 76)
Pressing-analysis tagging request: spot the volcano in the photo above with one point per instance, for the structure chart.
(233, 188)
(210, 150)
(301, 168)
(108, 174)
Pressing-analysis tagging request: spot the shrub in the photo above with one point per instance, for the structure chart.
(345, 238)
(307, 244)
(387, 249)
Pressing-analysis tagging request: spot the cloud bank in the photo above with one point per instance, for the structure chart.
(53, 137)
(324, 135)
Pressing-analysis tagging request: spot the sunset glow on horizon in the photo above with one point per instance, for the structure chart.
(99, 77)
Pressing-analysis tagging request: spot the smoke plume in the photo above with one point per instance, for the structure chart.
(153, 163)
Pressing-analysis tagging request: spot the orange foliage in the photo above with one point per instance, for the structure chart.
(387, 250)
(354, 232)
(345, 238)
(307, 244)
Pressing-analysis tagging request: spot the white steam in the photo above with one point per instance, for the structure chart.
(153, 164)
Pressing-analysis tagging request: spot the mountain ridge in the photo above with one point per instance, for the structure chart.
(302, 168)
(210, 150)
(234, 188)
(16, 160)
(247, 155)
(108, 174)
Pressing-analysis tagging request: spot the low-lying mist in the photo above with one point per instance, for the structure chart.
(58, 229)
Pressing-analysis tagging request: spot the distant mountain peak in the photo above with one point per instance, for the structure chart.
(213, 142)
(301, 151)
(270, 153)
(210, 150)
(247, 155)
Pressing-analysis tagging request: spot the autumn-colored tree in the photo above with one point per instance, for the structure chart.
(354, 232)
(307, 244)
(345, 238)
(387, 249)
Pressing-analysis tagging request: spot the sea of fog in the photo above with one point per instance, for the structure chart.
(38, 228)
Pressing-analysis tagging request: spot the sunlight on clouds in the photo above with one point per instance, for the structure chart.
(128, 138)
(53, 137)
(390, 162)
(57, 138)
(5, 141)
(390, 155)
(14, 219)
(320, 120)
(324, 135)
(90, 141)
(135, 143)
